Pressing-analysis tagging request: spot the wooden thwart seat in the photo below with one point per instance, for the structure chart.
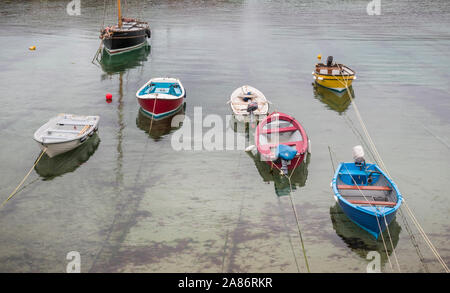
(75, 122)
(374, 203)
(363, 187)
(62, 131)
(284, 129)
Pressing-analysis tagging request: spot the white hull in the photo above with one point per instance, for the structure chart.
(55, 149)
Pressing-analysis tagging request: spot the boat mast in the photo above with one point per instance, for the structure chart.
(120, 14)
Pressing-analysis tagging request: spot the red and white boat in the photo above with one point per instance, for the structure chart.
(281, 141)
(161, 97)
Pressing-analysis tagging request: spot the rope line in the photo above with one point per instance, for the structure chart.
(295, 210)
(298, 225)
(381, 163)
(392, 245)
(23, 180)
(372, 145)
(378, 221)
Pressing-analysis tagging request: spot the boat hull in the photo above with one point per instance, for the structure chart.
(54, 138)
(54, 149)
(125, 41)
(335, 83)
(371, 222)
(163, 107)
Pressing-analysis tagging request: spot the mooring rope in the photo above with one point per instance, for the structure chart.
(104, 13)
(295, 210)
(378, 156)
(298, 225)
(379, 226)
(289, 236)
(377, 211)
(23, 180)
(372, 148)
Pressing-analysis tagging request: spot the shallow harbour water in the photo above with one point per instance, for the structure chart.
(129, 203)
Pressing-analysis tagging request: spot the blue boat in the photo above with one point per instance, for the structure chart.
(366, 195)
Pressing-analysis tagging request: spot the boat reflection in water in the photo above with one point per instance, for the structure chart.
(50, 168)
(159, 127)
(246, 129)
(358, 240)
(337, 101)
(281, 183)
(238, 126)
(112, 64)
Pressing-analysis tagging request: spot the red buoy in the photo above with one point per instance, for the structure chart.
(108, 97)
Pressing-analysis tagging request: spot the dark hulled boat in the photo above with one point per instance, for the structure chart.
(127, 35)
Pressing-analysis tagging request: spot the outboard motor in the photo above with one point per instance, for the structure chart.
(330, 61)
(252, 107)
(286, 154)
(358, 156)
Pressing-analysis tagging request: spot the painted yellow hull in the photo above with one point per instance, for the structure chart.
(337, 83)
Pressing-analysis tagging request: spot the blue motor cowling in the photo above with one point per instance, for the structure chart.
(286, 154)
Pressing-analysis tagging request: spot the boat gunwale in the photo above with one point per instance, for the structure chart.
(268, 119)
(156, 96)
(92, 128)
(372, 213)
(337, 66)
(259, 94)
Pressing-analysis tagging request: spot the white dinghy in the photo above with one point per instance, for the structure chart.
(65, 132)
(246, 102)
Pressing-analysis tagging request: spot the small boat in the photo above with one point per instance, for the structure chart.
(65, 132)
(281, 141)
(128, 34)
(161, 97)
(247, 102)
(337, 77)
(366, 194)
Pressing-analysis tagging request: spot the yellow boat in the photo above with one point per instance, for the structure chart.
(337, 77)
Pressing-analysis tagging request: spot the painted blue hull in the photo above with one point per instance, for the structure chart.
(367, 221)
(372, 218)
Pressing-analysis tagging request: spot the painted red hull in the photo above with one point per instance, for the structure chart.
(162, 108)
